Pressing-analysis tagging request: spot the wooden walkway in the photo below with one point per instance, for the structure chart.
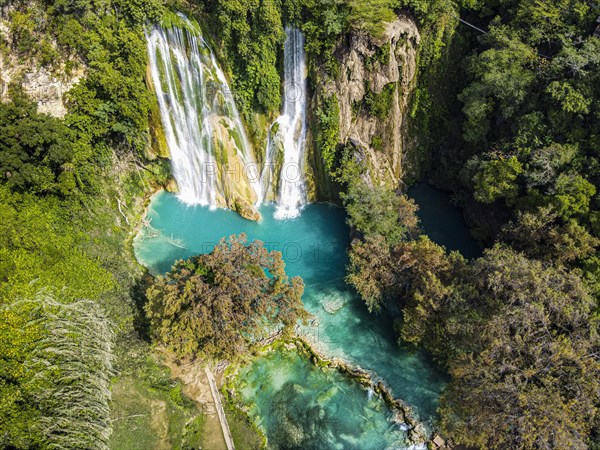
(219, 407)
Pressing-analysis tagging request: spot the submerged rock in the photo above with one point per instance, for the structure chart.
(403, 414)
(333, 302)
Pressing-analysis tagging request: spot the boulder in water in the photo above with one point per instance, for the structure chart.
(246, 210)
(171, 186)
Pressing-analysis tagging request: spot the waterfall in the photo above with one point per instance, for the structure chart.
(211, 158)
(285, 173)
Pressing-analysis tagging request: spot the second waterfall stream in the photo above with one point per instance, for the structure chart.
(283, 175)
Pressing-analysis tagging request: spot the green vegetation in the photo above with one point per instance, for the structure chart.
(375, 210)
(381, 56)
(380, 104)
(27, 40)
(371, 16)
(39, 162)
(377, 143)
(250, 33)
(516, 329)
(219, 305)
(495, 178)
(328, 130)
(56, 367)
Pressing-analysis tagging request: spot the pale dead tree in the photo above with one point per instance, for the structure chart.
(72, 367)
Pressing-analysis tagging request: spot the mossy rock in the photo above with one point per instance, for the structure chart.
(171, 186)
(246, 210)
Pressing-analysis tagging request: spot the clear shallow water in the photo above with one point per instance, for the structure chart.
(313, 246)
(306, 407)
(442, 221)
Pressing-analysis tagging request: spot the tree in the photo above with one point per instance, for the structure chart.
(55, 374)
(524, 364)
(573, 194)
(569, 98)
(36, 151)
(378, 210)
(503, 78)
(221, 304)
(545, 163)
(541, 236)
(495, 178)
(552, 22)
(371, 271)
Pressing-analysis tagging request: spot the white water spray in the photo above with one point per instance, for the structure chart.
(292, 128)
(202, 126)
(370, 394)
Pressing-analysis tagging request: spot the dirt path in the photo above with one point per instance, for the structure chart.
(198, 388)
(160, 424)
(220, 411)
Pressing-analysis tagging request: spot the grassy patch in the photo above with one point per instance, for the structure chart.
(149, 410)
(245, 434)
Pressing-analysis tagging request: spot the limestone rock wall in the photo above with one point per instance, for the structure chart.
(45, 86)
(368, 67)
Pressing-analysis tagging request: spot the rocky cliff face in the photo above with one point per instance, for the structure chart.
(44, 88)
(47, 87)
(373, 88)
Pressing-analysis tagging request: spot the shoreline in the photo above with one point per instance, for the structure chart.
(402, 413)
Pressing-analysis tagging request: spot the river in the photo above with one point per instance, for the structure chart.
(320, 407)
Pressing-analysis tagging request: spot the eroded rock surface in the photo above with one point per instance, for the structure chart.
(47, 87)
(373, 89)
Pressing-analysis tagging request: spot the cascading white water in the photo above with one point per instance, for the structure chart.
(203, 130)
(292, 128)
